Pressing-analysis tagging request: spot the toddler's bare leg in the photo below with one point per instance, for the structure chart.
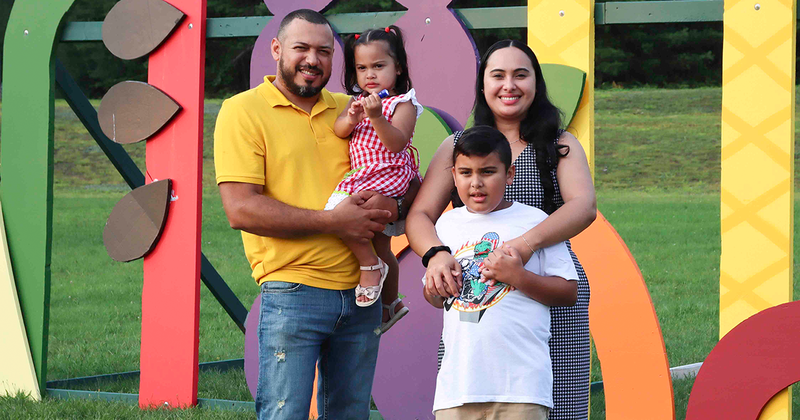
(366, 256)
(383, 246)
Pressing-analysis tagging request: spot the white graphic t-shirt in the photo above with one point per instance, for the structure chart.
(495, 339)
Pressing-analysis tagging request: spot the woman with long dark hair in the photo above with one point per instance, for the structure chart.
(552, 173)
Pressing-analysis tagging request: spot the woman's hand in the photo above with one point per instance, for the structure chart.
(443, 276)
(503, 265)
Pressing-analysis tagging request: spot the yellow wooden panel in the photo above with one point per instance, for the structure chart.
(758, 60)
(562, 32)
(17, 373)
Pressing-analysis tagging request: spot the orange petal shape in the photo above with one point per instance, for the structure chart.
(133, 111)
(636, 378)
(136, 222)
(134, 28)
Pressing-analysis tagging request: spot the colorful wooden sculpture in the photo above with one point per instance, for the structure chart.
(134, 28)
(136, 222)
(171, 292)
(636, 379)
(133, 111)
(27, 160)
(750, 365)
(17, 373)
(442, 58)
(757, 182)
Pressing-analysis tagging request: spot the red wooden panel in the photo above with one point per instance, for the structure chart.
(750, 364)
(171, 292)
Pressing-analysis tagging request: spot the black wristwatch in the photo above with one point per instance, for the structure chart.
(433, 251)
(400, 215)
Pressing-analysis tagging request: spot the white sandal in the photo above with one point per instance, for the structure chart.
(393, 316)
(373, 293)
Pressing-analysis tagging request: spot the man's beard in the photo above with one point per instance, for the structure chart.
(303, 91)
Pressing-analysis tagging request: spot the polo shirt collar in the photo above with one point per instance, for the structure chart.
(276, 98)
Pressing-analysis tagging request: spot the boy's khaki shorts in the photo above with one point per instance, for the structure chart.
(494, 411)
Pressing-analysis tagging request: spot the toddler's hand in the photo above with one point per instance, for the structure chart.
(356, 112)
(372, 105)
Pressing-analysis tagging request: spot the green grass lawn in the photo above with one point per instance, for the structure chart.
(657, 176)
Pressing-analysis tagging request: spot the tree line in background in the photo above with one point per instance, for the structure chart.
(662, 55)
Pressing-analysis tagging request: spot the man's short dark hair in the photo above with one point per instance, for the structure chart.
(482, 140)
(307, 15)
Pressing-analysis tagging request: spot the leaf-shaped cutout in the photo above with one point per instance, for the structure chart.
(134, 28)
(565, 88)
(431, 129)
(133, 111)
(137, 220)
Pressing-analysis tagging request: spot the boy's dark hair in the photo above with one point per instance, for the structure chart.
(397, 50)
(307, 15)
(482, 140)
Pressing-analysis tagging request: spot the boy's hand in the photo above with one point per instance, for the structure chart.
(355, 113)
(372, 105)
(503, 265)
(443, 276)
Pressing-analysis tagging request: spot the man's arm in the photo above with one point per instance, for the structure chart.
(249, 210)
(373, 200)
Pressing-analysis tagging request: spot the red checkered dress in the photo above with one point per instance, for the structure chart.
(373, 166)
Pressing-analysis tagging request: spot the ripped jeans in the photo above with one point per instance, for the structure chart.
(301, 325)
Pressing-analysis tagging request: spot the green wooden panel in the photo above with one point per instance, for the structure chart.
(27, 159)
(494, 17)
(235, 27)
(659, 12)
(82, 31)
(473, 18)
(428, 135)
(564, 87)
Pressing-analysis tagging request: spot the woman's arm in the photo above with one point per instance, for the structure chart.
(580, 205)
(505, 265)
(444, 273)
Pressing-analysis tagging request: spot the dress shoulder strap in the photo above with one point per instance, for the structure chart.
(456, 136)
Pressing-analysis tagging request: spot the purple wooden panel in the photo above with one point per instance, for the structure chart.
(443, 59)
(405, 378)
(251, 346)
(261, 61)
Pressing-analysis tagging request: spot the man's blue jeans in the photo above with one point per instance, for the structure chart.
(300, 325)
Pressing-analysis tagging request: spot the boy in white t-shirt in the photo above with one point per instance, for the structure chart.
(496, 361)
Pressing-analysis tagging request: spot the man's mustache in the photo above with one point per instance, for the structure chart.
(310, 68)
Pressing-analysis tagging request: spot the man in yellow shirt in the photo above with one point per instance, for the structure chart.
(277, 161)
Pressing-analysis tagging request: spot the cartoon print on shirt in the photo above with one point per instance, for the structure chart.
(476, 296)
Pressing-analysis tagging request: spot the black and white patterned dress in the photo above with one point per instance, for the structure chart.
(569, 326)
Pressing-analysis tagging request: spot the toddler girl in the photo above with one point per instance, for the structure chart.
(380, 125)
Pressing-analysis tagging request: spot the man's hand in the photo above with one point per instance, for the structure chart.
(352, 222)
(443, 275)
(371, 200)
(503, 265)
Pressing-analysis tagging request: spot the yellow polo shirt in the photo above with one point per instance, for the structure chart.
(262, 138)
